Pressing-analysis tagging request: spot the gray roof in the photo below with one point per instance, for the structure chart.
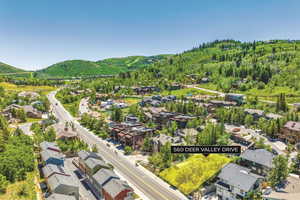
(260, 156)
(273, 116)
(103, 175)
(47, 154)
(51, 169)
(49, 145)
(115, 186)
(292, 125)
(238, 176)
(92, 163)
(163, 139)
(55, 196)
(57, 180)
(84, 155)
(255, 111)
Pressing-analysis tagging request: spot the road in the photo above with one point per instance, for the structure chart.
(148, 185)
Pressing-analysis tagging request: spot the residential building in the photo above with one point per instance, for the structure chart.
(64, 132)
(52, 157)
(32, 112)
(238, 98)
(182, 120)
(258, 160)
(235, 182)
(273, 116)
(90, 162)
(290, 132)
(28, 94)
(62, 184)
(255, 113)
(296, 107)
(117, 189)
(162, 139)
(102, 177)
(218, 103)
(49, 146)
(60, 197)
(51, 169)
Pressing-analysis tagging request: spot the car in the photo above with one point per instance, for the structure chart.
(107, 144)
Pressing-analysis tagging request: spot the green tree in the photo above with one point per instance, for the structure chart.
(128, 150)
(3, 183)
(280, 170)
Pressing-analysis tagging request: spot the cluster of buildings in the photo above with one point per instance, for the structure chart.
(235, 181)
(107, 184)
(130, 132)
(10, 112)
(156, 100)
(110, 103)
(61, 184)
(145, 90)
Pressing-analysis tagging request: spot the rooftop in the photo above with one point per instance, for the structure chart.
(238, 176)
(60, 197)
(104, 175)
(260, 156)
(56, 180)
(292, 125)
(115, 186)
(51, 169)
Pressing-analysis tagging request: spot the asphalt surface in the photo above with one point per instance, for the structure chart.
(150, 187)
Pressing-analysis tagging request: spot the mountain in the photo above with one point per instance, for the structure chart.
(5, 68)
(262, 68)
(111, 66)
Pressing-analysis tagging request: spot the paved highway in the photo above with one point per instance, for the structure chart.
(146, 184)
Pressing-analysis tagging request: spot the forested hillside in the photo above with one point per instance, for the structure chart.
(229, 66)
(111, 66)
(5, 68)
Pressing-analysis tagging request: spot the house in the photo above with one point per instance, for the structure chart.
(49, 146)
(238, 98)
(64, 132)
(255, 113)
(8, 112)
(32, 112)
(235, 182)
(90, 162)
(273, 116)
(51, 169)
(145, 89)
(190, 132)
(28, 94)
(290, 132)
(218, 103)
(182, 120)
(131, 118)
(162, 139)
(52, 157)
(102, 177)
(296, 107)
(134, 137)
(117, 189)
(174, 87)
(258, 160)
(65, 185)
(60, 197)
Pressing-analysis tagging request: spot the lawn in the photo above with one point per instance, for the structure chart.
(185, 92)
(13, 191)
(72, 108)
(189, 175)
(20, 88)
(131, 100)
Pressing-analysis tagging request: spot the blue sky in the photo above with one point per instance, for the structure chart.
(37, 33)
